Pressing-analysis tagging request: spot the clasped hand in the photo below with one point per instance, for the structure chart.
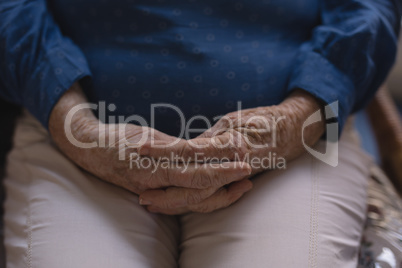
(185, 185)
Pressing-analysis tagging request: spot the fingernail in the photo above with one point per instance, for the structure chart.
(144, 202)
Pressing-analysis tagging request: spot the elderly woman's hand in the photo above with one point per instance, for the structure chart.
(254, 134)
(123, 141)
(247, 135)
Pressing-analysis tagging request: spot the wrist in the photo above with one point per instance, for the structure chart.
(83, 122)
(304, 100)
(303, 104)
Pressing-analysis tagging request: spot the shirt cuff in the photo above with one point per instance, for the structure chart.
(54, 75)
(316, 75)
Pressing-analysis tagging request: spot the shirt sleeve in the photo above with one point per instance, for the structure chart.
(37, 63)
(349, 54)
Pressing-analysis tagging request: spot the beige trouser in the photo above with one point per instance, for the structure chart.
(59, 216)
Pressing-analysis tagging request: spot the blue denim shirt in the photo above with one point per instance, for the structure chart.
(200, 56)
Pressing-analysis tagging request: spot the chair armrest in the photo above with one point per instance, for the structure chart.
(387, 127)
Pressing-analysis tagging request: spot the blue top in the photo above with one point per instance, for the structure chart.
(202, 56)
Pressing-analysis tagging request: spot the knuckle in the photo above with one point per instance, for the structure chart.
(219, 142)
(203, 209)
(217, 177)
(149, 182)
(145, 146)
(233, 144)
(198, 196)
(155, 179)
(167, 175)
(195, 179)
(245, 146)
(254, 137)
(193, 198)
(184, 150)
(201, 179)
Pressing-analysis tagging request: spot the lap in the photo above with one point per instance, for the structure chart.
(57, 215)
(309, 215)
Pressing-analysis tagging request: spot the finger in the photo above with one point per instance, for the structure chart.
(221, 199)
(201, 175)
(174, 197)
(228, 145)
(175, 211)
(206, 134)
(213, 131)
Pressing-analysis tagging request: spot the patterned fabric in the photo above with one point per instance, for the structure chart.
(381, 245)
(201, 56)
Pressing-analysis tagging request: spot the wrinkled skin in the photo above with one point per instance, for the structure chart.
(200, 187)
(104, 162)
(256, 132)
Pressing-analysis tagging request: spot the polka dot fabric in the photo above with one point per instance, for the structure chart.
(201, 56)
